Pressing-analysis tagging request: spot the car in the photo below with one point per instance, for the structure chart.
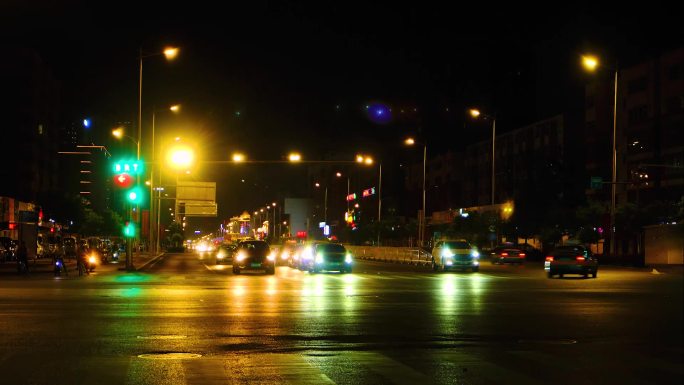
(574, 259)
(285, 254)
(8, 247)
(69, 245)
(225, 253)
(457, 254)
(506, 254)
(254, 255)
(325, 256)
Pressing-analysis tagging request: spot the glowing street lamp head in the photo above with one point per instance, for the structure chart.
(181, 157)
(590, 62)
(338, 174)
(171, 53)
(175, 108)
(475, 113)
(118, 133)
(368, 160)
(295, 157)
(410, 141)
(359, 158)
(238, 157)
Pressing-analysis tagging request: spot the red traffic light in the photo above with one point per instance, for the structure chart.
(123, 180)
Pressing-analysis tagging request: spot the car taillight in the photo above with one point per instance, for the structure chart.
(549, 258)
(580, 258)
(521, 255)
(504, 254)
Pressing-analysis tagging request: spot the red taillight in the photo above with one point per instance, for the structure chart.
(521, 255)
(580, 258)
(549, 258)
(504, 254)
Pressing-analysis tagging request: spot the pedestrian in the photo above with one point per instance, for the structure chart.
(22, 257)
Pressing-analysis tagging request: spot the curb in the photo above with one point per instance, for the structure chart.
(151, 261)
(144, 265)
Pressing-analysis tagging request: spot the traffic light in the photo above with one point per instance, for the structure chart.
(134, 195)
(129, 229)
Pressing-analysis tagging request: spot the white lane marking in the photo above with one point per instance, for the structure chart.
(263, 368)
(395, 371)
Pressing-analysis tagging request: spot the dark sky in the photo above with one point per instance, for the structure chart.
(287, 66)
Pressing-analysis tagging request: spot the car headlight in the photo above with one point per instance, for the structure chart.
(241, 256)
(220, 255)
(271, 257)
(92, 259)
(475, 254)
(284, 255)
(319, 258)
(307, 253)
(348, 258)
(475, 263)
(446, 253)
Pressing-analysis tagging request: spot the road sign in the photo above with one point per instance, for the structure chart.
(369, 192)
(596, 182)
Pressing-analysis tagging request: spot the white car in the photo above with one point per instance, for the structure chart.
(447, 255)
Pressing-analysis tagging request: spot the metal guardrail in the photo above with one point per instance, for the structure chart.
(401, 255)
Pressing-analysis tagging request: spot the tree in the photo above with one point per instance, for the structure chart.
(176, 235)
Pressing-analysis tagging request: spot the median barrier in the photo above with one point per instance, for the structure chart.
(401, 255)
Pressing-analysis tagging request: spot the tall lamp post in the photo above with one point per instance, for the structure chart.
(170, 53)
(421, 222)
(591, 63)
(475, 113)
(155, 203)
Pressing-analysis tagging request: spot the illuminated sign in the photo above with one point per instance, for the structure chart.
(123, 180)
(128, 167)
(321, 225)
(351, 197)
(369, 192)
(301, 234)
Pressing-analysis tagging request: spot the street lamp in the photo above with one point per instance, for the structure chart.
(180, 157)
(170, 53)
(591, 63)
(294, 157)
(421, 223)
(155, 219)
(239, 157)
(475, 113)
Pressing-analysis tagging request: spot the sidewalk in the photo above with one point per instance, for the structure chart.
(37, 266)
(140, 260)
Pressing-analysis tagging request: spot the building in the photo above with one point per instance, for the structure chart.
(29, 126)
(650, 131)
(527, 158)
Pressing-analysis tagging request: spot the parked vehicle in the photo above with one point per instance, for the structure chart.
(70, 246)
(459, 254)
(571, 260)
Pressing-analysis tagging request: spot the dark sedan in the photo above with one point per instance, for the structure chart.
(254, 255)
(501, 255)
(571, 260)
(327, 257)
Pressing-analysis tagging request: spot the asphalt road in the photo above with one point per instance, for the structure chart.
(186, 321)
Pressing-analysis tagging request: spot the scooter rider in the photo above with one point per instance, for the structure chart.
(83, 261)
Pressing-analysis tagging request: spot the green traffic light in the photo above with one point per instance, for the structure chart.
(135, 195)
(129, 230)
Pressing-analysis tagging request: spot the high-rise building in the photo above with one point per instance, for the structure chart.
(650, 131)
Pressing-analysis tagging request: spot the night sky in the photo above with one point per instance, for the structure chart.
(301, 74)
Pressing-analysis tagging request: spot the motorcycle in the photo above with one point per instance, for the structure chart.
(59, 266)
(91, 263)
